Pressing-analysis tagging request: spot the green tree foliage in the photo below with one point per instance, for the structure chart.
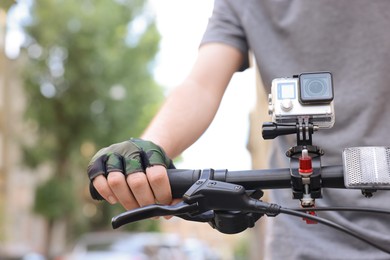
(6, 4)
(88, 84)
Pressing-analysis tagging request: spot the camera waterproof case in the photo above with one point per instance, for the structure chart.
(307, 97)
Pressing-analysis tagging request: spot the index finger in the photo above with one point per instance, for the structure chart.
(159, 182)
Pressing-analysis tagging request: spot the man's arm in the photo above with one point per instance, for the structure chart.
(186, 114)
(192, 106)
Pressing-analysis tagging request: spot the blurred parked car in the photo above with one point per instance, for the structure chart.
(19, 252)
(138, 246)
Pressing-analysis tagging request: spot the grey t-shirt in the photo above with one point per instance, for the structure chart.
(352, 40)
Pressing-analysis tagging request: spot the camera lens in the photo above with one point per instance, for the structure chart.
(315, 88)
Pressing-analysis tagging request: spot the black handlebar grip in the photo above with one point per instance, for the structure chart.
(182, 180)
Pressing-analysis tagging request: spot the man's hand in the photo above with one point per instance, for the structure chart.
(132, 173)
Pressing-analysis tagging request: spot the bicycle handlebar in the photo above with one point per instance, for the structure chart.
(181, 180)
(230, 201)
(219, 197)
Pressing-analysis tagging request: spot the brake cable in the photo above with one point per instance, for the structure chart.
(298, 213)
(367, 210)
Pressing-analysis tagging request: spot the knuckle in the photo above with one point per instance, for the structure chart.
(115, 179)
(136, 181)
(157, 175)
(157, 178)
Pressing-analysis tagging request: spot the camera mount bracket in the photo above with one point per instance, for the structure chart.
(305, 187)
(303, 129)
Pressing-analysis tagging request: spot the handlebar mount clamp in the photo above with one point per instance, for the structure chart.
(304, 130)
(298, 185)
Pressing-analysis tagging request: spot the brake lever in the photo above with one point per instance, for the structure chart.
(202, 202)
(201, 217)
(195, 206)
(154, 210)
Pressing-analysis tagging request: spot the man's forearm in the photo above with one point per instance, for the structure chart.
(192, 106)
(186, 114)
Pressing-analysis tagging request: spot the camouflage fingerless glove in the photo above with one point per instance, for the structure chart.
(134, 155)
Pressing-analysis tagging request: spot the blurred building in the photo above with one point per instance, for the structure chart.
(20, 230)
(2, 126)
(4, 129)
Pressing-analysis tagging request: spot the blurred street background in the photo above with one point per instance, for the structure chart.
(78, 75)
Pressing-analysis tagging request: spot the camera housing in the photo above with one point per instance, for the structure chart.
(306, 97)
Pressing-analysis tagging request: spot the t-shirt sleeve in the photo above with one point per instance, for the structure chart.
(224, 26)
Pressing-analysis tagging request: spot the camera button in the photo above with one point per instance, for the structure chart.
(286, 105)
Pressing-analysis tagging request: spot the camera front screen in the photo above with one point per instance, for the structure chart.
(315, 88)
(286, 90)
